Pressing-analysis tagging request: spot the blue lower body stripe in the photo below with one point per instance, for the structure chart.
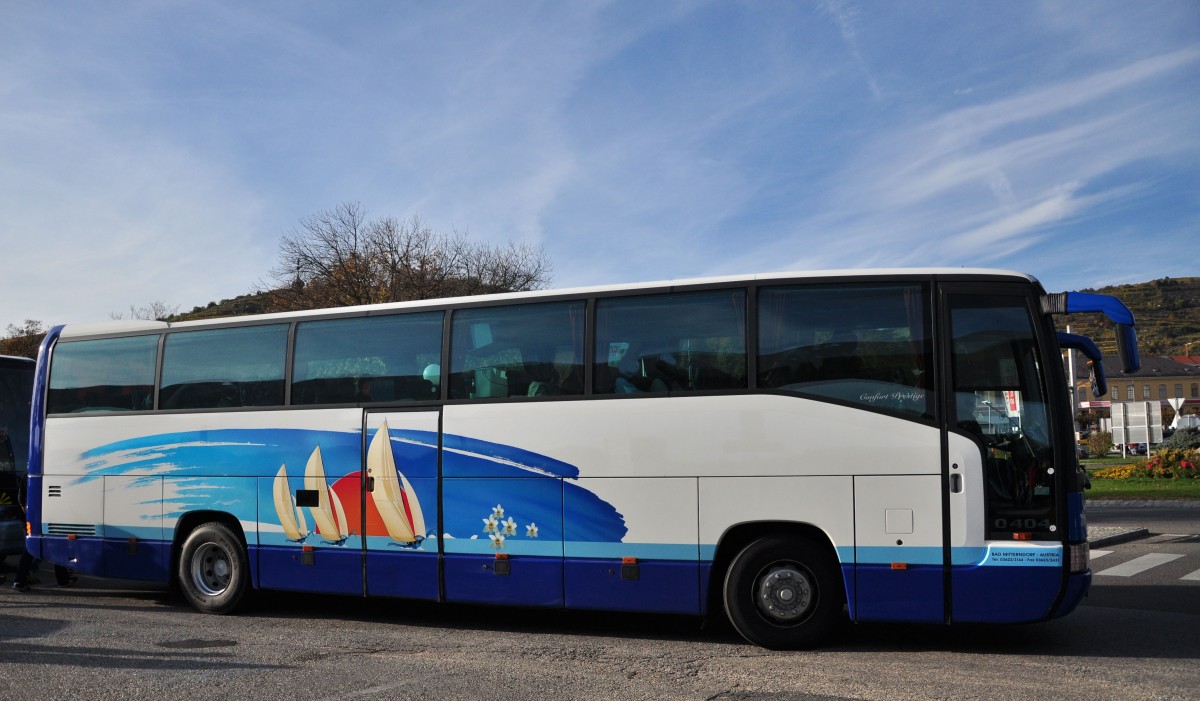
(1005, 582)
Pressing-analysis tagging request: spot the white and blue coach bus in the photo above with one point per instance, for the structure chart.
(793, 449)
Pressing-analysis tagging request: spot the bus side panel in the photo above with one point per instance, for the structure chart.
(135, 546)
(909, 595)
(82, 554)
(649, 586)
(517, 519)
(612, 501)
(323, 571)
(140, 476)
(825, 502)
(72, 522)
(1014, 583)
(656, 566)
(412, 575)
(523, 581)
(149, 561)
(310, 563)
(502, 499)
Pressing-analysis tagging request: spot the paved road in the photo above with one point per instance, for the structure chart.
(1160, 573)
(1157, 516)
(91, 643)
(1159, 570)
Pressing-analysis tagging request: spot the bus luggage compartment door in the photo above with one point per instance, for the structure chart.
(502, 510)
(899, 560)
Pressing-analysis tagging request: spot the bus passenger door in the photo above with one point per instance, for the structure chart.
(1005, 538)
(399, 497)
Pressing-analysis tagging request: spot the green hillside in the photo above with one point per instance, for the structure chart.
(1167, 313)
(242, 305)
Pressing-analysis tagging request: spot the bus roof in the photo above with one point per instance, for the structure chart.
(136, 326)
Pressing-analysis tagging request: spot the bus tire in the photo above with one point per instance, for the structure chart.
(783, 593)
(214, 572)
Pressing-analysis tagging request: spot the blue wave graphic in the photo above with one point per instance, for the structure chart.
(482, 475)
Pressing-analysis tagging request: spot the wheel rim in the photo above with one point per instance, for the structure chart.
(211, 569)
(784, 593)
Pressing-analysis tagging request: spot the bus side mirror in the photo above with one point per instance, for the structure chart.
(1127, 348)
(1113, 308)
(1097, 380)
(1085, 345)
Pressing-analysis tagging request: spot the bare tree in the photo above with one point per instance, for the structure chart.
(156, 311)
(339, 258)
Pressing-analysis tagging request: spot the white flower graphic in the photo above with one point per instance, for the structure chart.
(497, 541)
(490, 524)
(497, 512)
(531, 531)
(510, 526)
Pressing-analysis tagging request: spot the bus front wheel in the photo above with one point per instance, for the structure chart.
(783, 593)
(214, 572)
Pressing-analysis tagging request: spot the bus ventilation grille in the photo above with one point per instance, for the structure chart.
(70, 529)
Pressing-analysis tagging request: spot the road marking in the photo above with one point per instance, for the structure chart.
(1100, 553)
(1139, 565)
(1193, 577)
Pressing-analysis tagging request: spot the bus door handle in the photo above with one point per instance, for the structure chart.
(956, 483)
(370, 484)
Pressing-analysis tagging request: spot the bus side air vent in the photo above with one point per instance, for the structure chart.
(54, 490)
(69, 529)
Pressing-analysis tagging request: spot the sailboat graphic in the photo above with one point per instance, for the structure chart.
(291, 518)
(328, 514)
(393, 496)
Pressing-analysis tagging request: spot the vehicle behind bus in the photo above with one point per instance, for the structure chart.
(16, 391)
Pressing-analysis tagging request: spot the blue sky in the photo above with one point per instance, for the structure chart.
(157, 151)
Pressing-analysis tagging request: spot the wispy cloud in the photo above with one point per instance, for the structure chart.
(846, 16)
(981, 184)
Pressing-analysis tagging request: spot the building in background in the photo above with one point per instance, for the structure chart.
(1160, 379)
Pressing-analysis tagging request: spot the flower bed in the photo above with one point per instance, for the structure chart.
(1166, 464)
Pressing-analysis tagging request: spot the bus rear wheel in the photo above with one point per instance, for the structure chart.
(783, 593)
(214, 572)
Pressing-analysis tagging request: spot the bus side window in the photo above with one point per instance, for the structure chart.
(114, 374)
(224, 368)
(367, 359)
(674, 342)
(528, 350)
(840, 359)
(865, 344)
